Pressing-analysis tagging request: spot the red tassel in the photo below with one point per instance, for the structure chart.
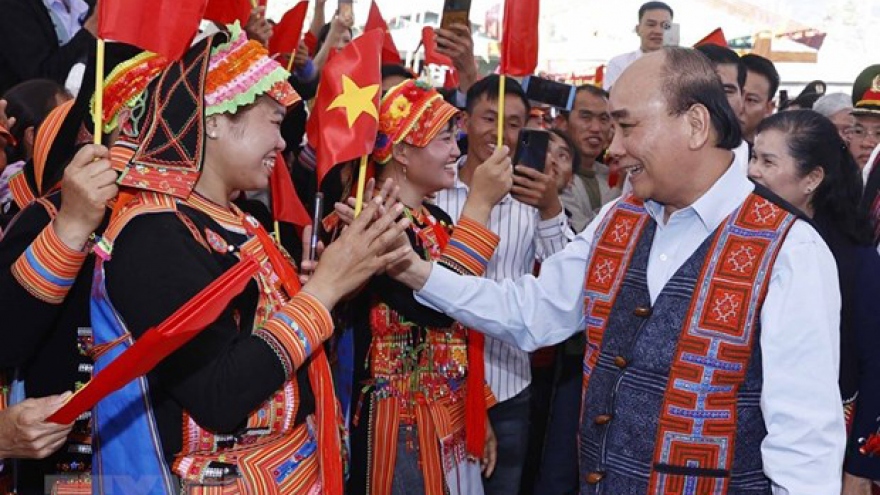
(475, 400)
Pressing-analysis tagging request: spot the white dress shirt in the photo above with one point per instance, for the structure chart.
(617, 65)
(524, 239)
(803, 450)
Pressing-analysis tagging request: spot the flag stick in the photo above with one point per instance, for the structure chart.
(290, 62)
(277, 233)
(501, 83)
(362, 181)
(99, 91)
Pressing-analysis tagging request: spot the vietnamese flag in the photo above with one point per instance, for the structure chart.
(390, 55)
(431, 55)
(716, 37)
(286, 205)
(228, 11)
(166, 27)
(286, 34)
(519, 38)
(345, 116)
(160, 341)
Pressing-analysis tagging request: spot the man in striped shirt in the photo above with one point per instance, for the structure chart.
(532, 226)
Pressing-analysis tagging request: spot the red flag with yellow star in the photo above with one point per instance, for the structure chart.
(344, 119)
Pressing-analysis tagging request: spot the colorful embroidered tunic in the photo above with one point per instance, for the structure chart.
(231, 411)
(412, 363)
(46, 332)
(672, 390)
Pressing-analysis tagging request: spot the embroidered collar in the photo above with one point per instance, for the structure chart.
(230, 218)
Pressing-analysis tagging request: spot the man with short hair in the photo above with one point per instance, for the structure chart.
(711, 311)
(532, 226)
(588, 124)
(864, 141)
(732, 72)
(762, 81)
(654, 19)
(838, 108)
(864, 135)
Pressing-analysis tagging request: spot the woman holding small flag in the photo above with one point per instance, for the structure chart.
(247, 406)
(420, 425)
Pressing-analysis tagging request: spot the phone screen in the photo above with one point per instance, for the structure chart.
(557, 94)
(456, 12)
(531, 149)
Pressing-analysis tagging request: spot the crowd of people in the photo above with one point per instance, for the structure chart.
(678, 301)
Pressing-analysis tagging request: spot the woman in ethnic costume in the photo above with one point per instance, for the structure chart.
(419, 424)
(800, 156)
(247, 406)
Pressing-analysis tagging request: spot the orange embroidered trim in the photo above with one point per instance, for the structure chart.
(297, 330)
(48, 268)
(470, 248)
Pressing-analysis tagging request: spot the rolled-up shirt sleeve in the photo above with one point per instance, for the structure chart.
(800, 344)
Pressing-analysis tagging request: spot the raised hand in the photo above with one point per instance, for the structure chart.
(537, 189)
(363, 249)
(457, 43)
(492, 180)
(257, 27)
(89, 183)
(389, 191)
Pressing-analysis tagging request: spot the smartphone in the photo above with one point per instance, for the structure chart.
(456, 12)
(553, 93)
(672, 36)
(531, 149)
(317, 213)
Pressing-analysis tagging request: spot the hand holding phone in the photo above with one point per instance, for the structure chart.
(531, 149)
(317, 215)
(455, 12)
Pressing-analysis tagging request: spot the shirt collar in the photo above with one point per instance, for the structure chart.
(716, 204)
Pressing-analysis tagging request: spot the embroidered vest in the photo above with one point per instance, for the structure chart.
(269, 455)
(672, 392)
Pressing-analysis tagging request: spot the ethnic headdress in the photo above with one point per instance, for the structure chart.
(412, 112)
(866, 92)
(76, 125)
(125, 85)
(220, 74)
(240, 71)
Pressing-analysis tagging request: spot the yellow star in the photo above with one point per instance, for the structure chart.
(356, 100)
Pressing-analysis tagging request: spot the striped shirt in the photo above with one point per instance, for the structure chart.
(525, 238)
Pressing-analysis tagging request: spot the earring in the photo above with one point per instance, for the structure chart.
(212, 135)
(809, 190)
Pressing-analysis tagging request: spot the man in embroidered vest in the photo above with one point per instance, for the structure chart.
(711, 311)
